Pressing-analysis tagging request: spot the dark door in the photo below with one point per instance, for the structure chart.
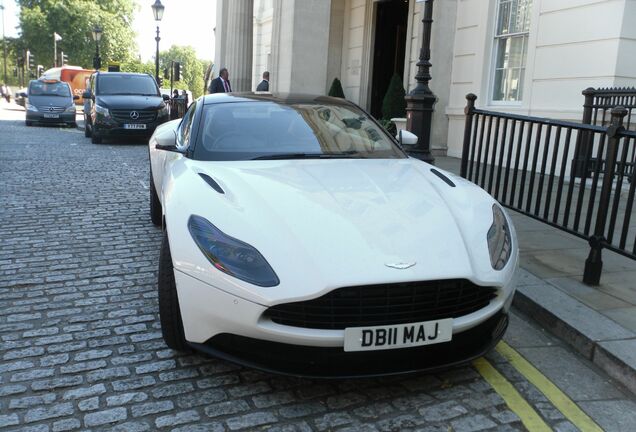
(388, 48)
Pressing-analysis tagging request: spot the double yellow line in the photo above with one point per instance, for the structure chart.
(529, 417)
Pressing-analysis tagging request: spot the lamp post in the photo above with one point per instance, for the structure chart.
(420, 101)
(97, 36)
(4, 46)
(157, 10)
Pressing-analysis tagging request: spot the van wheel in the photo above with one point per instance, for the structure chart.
(169, 312)
(155, 204)
(95, 139)
(28, 123)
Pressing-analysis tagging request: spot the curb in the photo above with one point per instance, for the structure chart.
(596, 337)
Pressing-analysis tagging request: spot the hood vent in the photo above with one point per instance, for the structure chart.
(443, 177)
(209, 180)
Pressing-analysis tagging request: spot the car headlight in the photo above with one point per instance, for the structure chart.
(230, 255)
(30, 107)
(163, 110)
(499, 239)
(71, 108)
(102, 110)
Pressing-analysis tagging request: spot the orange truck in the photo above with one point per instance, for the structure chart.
(75, 76)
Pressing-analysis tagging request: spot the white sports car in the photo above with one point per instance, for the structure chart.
(300, 238)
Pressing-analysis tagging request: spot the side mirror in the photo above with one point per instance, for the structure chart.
(165, 97)
(76, 97)
(405, 137)
(86, 94)
(167, 141)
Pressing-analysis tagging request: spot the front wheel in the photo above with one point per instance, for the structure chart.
(28, 123)
(169, 312)
(87, 131)
(95, 138)
(155, 204)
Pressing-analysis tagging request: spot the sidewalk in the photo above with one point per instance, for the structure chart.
(599, 322)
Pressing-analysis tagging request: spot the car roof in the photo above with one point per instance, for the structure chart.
(122, 73)
(282, 98)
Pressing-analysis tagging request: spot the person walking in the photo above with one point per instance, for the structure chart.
(264, 85)
(221, 84)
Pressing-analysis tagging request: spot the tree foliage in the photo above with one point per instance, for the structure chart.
(193, 69)
(394, 104)
(336, 89)
(74, 21)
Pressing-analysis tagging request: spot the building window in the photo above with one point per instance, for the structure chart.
(511, 46)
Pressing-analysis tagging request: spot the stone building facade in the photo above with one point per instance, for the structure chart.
(531, 57)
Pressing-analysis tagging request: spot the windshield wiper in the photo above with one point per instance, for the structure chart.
(341, 155)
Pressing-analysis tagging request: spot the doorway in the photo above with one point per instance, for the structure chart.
(389, 47)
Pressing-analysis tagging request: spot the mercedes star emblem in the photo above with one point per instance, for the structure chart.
(51, 109)
(400, 265)
(134, 115)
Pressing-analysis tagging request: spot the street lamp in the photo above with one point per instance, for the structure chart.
(4, 46)
(157, 10)
(420, 101)
(97, 36)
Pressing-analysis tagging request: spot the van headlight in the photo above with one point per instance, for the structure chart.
(30, 107)
(102, 110)
(499, 239)
(163, 110)
(71, 109)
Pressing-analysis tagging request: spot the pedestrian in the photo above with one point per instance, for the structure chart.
(221, 84)
(6, 93)
(184, 95)
(264, 85)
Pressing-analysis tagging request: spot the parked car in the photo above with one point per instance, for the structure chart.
(298, 237)
(121, 103)
(50, 101)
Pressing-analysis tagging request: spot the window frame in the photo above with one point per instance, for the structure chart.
(492, 70)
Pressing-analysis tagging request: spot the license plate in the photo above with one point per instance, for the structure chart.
(398, 336)
(51, 116)
(135, 126)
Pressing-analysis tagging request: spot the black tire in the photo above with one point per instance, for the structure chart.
(155, 204)
(73, 125)
(169, 312)
(28, 123)
(95, 138)
(87, 130)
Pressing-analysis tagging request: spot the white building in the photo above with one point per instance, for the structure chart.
(531, 57)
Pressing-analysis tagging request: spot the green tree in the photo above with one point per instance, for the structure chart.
(193, 69)
(394, 104)
(336, 89)
(74, 20)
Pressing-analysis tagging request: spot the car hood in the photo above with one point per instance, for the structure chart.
(322, 224)
(59, 101)
(129, 102)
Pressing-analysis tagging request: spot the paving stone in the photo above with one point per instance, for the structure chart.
(151, 408)
(108, 416)
(9, 420)
(201, 427)
(126, 398)
(48, 412)
(89, 404)
(226, 408)
(79, 393)
(251, 420)
(29, 401)
(177, 419)
(442, 411)
(66, 425)
(472, 423)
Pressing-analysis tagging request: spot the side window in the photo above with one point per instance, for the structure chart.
(185, 127)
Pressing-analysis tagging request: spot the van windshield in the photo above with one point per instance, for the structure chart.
(41, 88)
(126, 85)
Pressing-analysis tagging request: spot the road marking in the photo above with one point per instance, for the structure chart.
(559, 399)
(529, 417)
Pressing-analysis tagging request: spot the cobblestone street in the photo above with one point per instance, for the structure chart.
(81, 345)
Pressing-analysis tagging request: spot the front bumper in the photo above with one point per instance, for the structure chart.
(233, 328)
(111, 127)
(39, 117)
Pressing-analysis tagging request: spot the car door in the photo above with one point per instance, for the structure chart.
(182, 141)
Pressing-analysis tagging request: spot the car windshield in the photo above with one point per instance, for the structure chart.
(269, 130)
(126, 85)
(41, 88)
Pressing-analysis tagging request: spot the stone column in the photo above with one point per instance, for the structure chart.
(235, 41)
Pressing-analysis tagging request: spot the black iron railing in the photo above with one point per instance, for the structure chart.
(527, 163)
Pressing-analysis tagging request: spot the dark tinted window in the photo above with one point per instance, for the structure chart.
(248, 130)
(185, 127)
(126, 85)
(41, 88)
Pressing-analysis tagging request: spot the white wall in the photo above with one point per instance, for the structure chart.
(573, 44)
(263, 15)
(353, 46)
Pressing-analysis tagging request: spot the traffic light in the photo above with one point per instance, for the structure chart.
(40, 70)
(166, 73)
(178, 70)
(30, 60)
(64, 59)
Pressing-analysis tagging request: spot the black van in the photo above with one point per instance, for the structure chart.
(123, 104)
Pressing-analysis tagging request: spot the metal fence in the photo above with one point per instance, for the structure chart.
(528, 164)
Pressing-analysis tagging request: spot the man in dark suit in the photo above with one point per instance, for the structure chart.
(264, 85)
(221, 84)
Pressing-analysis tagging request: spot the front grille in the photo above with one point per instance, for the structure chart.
(375, 305)
(123, 116)
(51, 109)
